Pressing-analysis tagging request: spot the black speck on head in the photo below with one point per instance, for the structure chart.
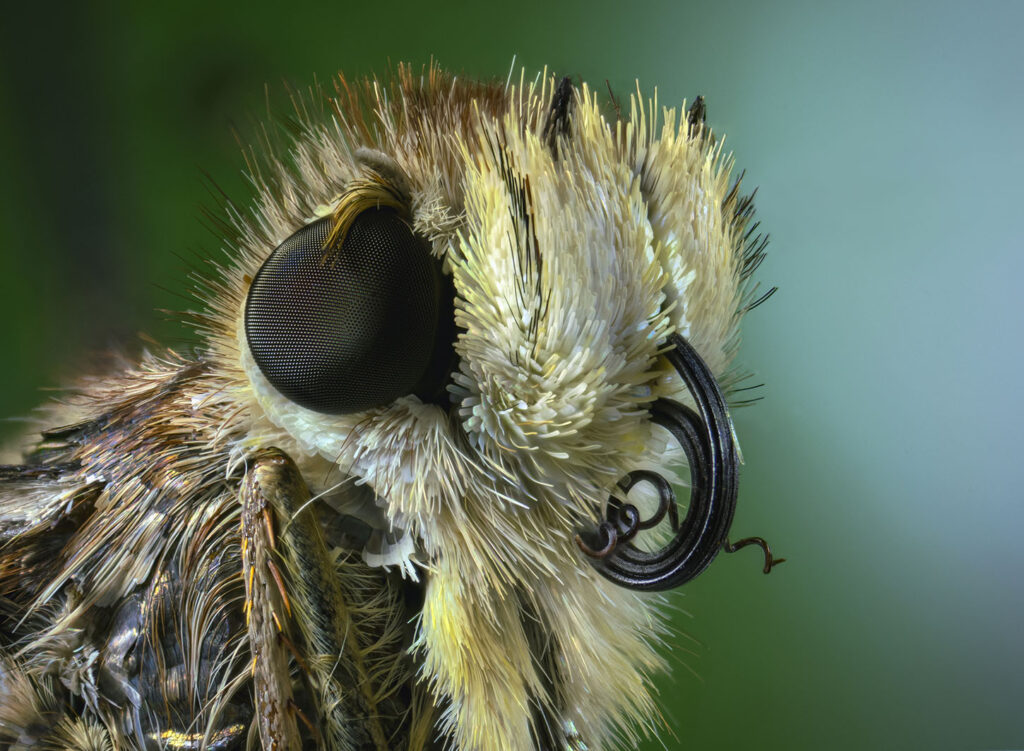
(558, 114)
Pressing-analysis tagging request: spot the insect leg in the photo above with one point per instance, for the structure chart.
(267, 609)
(308, 594)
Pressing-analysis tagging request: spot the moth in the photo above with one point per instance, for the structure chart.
(416, 488)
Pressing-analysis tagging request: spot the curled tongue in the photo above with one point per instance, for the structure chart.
(707, 438)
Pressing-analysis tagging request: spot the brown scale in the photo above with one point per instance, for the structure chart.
(168, 675)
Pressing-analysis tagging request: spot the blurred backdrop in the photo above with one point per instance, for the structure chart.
(883, 461)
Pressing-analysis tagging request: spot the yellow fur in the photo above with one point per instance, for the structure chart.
(573, 253)
(638, 240)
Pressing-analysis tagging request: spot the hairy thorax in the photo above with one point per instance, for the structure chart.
(372, 510)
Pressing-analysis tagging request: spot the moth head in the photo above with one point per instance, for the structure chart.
(459, 295)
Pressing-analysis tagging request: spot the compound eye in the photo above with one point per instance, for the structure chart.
(355, 324)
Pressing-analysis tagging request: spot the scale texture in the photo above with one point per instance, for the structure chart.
(190, 559)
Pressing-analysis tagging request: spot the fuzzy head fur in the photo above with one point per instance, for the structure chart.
(577, 238)
(575, 246)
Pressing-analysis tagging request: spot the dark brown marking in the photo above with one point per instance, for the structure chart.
(769, 560)
(557, 124)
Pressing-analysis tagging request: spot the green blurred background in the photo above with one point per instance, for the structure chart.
(884, 460)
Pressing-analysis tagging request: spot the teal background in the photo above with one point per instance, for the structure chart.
(884, 461)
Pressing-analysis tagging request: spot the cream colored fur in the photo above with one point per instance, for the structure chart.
(635, 227)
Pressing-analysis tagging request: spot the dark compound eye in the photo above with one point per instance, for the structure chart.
(356, 325)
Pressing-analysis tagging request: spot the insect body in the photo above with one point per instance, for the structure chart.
(385, 505)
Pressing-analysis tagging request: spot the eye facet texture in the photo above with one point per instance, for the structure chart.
(345, 328)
